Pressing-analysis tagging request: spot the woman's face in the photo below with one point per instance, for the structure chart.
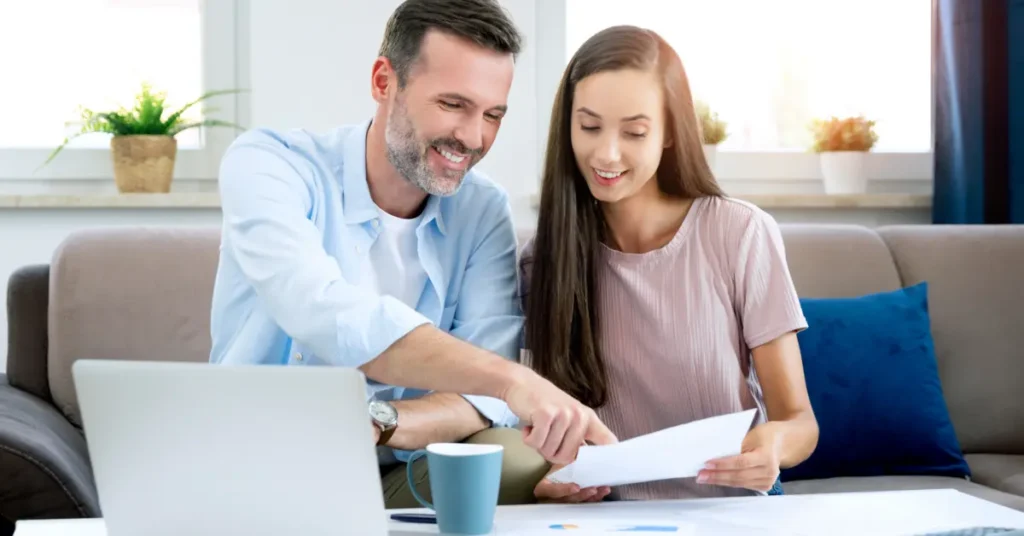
(618, 132)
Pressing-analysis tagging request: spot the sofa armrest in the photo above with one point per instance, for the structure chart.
(28, 295)
(44, 465)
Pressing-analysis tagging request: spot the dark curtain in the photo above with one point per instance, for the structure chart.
(979, 111)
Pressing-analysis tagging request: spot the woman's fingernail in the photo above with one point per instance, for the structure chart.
(702, 479)
(709, 465)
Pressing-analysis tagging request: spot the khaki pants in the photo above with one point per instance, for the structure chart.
(521, 469)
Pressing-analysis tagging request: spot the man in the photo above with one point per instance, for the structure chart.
(376, 246)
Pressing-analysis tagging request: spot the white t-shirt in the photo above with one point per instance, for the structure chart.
(395, 270)
(395, 267)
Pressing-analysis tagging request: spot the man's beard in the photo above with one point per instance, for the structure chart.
(409, 157)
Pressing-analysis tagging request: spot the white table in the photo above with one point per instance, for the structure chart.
(875, 513)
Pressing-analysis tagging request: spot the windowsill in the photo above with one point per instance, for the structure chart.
(873, 201)
(212, 200)
(181, 200)
(825, 201)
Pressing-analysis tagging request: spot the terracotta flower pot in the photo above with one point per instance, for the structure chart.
(143, 163)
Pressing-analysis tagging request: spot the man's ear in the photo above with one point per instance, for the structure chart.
(382, 80)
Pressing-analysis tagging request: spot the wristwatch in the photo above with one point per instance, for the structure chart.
(385, 417)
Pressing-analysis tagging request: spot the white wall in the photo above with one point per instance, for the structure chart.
(309, 66)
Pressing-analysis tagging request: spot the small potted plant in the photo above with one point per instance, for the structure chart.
(843, 144)
(713, 131)
(143, 147)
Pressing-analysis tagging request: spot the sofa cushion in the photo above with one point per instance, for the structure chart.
(133, 293)
(870, 370)
(1004, 472)
(975, 294)
(44, 461)
(829, 261)
(826, 260)
(896, 483)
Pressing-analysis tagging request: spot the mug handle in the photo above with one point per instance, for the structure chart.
(412, 485)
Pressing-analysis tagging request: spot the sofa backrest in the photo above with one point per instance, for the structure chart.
(838, 261)
(134, 294)
(145, 294)
(975, 278)
(975, 296)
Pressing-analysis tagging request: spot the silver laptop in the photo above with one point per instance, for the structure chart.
(190, 449)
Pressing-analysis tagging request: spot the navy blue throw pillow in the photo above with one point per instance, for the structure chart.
(874, 386)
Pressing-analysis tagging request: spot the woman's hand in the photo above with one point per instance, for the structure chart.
(756, 468)
(554, 492)
(791, 433)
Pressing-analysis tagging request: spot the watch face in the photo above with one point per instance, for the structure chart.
(383, 413)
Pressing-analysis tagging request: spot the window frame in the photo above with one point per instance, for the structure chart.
(763, 168)
(220, 33)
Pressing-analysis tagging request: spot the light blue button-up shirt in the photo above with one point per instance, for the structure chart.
(298, 217)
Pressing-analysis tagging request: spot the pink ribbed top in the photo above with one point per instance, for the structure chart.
(678, 323)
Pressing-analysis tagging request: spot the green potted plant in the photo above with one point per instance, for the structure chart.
(713, 131)
(843, 144)
(143, 147)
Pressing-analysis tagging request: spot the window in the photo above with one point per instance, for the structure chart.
(769, 68)
(97, 54)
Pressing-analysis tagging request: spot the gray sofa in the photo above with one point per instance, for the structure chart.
(143, 294)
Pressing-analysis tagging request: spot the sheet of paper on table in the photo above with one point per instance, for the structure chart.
(585, 526)
(676, 452)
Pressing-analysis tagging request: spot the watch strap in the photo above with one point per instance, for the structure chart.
(385, 435)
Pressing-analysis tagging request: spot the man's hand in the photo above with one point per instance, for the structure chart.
(435, 418)
(376, 432)
(554, 492)
(557, 424)
(756, 468)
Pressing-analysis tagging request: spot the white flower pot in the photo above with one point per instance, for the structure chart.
(844, 172)
(710, 151)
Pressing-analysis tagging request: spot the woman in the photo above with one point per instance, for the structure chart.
(650, 295)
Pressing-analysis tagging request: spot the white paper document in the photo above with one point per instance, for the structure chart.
(676, 452)
(598, 525)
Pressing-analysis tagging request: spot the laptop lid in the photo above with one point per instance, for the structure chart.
(198, 449)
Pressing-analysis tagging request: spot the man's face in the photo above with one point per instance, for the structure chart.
(447, 116)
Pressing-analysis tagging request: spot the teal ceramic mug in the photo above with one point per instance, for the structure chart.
(464, 483)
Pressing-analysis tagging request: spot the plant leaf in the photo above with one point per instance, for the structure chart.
(204, 123)
(53, 154)
(173, 119)
(713, 129)
(854, 133)
(92, 123)
(144, 118)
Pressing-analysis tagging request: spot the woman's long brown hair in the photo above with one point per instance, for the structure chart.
(562, 309)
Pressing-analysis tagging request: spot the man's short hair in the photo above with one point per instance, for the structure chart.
(483, 22)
